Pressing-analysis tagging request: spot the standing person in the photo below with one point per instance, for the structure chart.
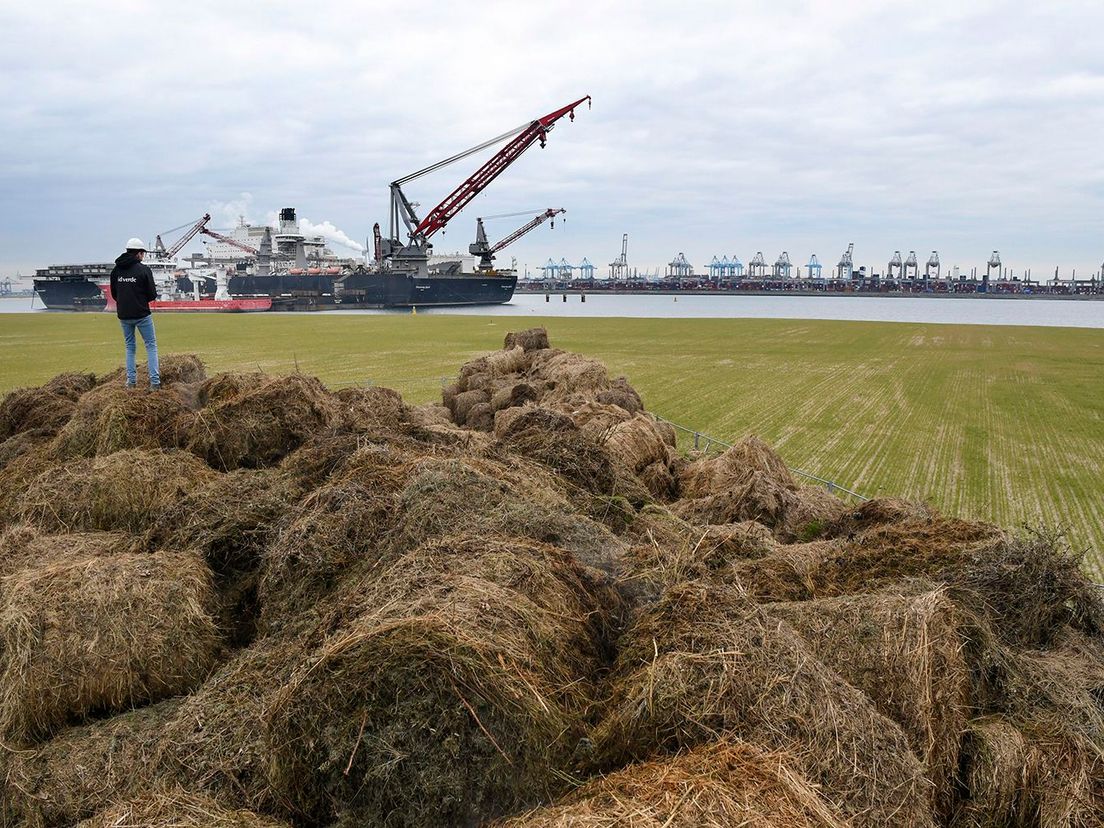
(132, 288)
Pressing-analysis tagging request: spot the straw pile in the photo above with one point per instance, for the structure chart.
(715, 786)
(249, 600)
(84, 635)
(486, 644)
(259, 425)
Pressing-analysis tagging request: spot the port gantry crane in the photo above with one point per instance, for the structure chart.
(619, 268)
(414, 253)
(486, 251)
(911, 269)
(846, 267)
(933, 265)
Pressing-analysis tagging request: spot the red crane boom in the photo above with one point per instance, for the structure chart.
(521, 231)
(198, 227)
(232, 242)
(521, 139)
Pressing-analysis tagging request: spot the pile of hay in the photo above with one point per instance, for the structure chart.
(706, 661)
(718, 785)
(260, 425)
(248, 600)
(175, 369)
(127, 490)
(451, 691)
(47, 408)
(102, 633)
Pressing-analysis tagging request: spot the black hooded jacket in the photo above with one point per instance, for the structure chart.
(132, 287)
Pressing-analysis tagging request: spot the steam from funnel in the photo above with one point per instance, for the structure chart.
(327, 231)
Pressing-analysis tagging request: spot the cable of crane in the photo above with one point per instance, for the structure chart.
(181, 227)
(514, 215)
(461, 155)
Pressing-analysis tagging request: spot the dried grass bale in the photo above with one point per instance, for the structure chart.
(23, 546)
(47, 407)
(512, 394)
(339, 525)
(126, 491)
(84, 769)
(18, 476)
(718, 785)
(452, 495)
(112, 418)
(175, 369)
(260, 426)
(1035, 586)
(571, 373)
(510, 360)
(230, 522)
(215, 742)
(374, 408)
(555, 441)
(706, 661)
(430, 414)
(228, 385)
(637, 442)
(531, 339)
(23, 443)
(480, 417)
(733, 469)
(101, 633)
(176, 808)
(993, 776)
(463, 403)
(598, 418)
(451, 690)
(906, 653)
(621, 394)
(1065, 779)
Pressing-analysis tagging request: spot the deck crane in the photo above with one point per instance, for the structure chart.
(232, 242)
(414, 253)
(159, 247)
(486, 251)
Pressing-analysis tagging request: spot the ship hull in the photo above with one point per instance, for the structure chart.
(69, 294)
(375, 290)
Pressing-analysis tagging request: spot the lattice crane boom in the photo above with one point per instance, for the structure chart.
(198, 227)
(486, 251)
(520, 140)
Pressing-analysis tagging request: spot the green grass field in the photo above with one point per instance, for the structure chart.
(1004, 423)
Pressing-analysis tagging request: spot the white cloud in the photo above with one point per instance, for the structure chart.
(718, 127)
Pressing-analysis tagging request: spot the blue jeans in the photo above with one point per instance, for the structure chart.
(145, 328)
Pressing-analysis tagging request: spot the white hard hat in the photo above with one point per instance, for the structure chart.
(135, 244)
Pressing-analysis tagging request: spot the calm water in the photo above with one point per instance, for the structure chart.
(1044, 312)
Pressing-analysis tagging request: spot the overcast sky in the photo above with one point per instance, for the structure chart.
(718, 128)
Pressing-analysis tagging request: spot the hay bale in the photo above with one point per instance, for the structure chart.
(260, 426)
(228, 385)
(571, 373)
(480, 417)
(750, 457)
(758, 497)
(993, 776)
(713, 786)
(510, 360)
(175, 369)
(706, 661)
(101, 633)
(555, 441)
(513, 394)
(453, 495)
(374, 409)
(112, 418)
(215, 741)
(450, 691)
(637, 443)
(429, 414)
(125, 491)
(83, 769)
(531, 339)
(657, 477)
(463, 403)
(23, 546)
(29, 408)
(906, 653)
(18, 476)
(23, 443)
(598, 418)
(339, 525)
(176, 808)
(623, 395)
